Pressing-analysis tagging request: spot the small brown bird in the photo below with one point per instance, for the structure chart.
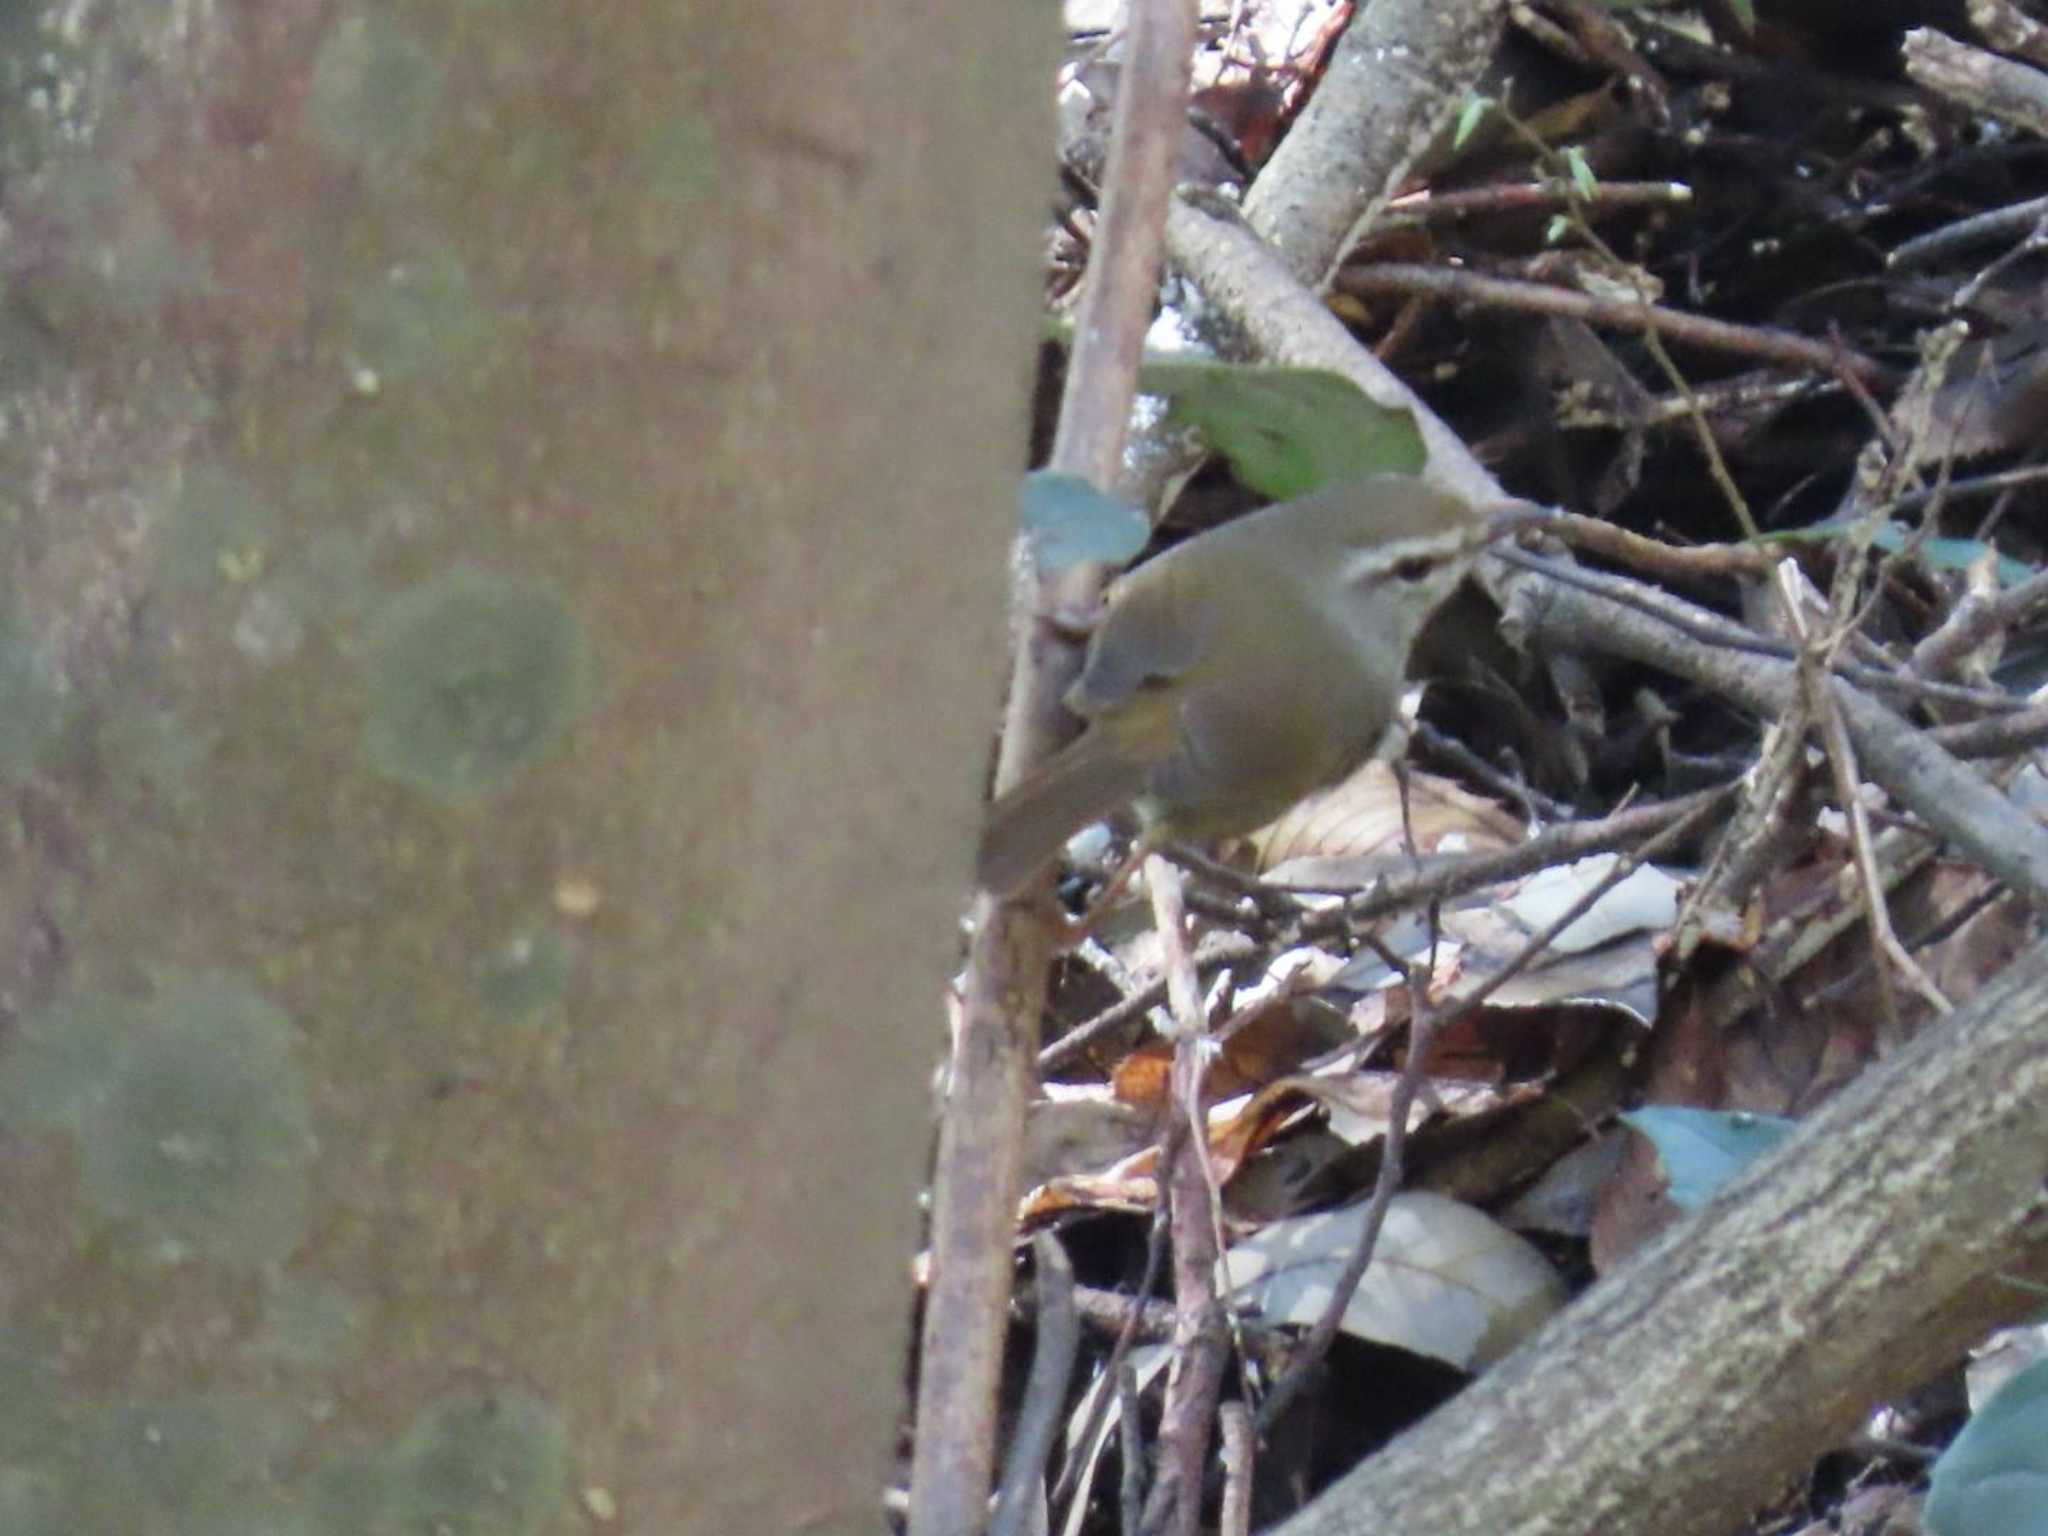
(1240, 670)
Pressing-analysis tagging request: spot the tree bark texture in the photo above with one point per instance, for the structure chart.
(502, 514)
(1899, 1223)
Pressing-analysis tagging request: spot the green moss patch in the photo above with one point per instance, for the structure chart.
(492, 1465)
(471, 676)
(188, 1109)
(375, 89)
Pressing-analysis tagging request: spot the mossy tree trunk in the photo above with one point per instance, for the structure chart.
(501, 511)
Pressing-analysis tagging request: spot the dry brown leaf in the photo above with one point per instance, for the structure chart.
(1144, 1078)
(1135, 1192)
(1359, 822)
(1633, 1207)
(1446, 1280)
(1994, 398)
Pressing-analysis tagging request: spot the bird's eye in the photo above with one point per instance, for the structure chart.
(1413, 568)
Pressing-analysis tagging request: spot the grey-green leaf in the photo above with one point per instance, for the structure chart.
(1993, 1480)
(1701, 1149)
(1068, 521)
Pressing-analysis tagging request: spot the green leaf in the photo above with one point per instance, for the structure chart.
(1069, 521)
(1470, 116)
(1993, 1479)
(1952, 554)
(1940, 554)
(1287, 431)
(1583, 179)
(1701, 1149)
(1555, 231)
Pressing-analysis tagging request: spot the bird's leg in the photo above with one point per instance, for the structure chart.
(1071, 622)
(1075, 929)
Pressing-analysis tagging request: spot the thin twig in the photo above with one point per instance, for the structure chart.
(1827, 717)
(979, 1166)
(2020, 731)
(1138, 1319)
(1235, 1516)
(1397, 891)
(1111, 1312)
(1946, 926)
(1429, 1023)
(1131, 1444)
(1970, 486)
(1792, 941)
(1193, 1385)
(1698, 562)
(1169, 918)
(1977, 80)
(1937, 245)
(1763, 829)
(1458, 286)
(1971, 626)
(1188, 1183)
(1534, 804)
(1979, 819)
(1748, 393)
(1608, 45)
(1711, 629)
(1430, 207)
(1045, 1388)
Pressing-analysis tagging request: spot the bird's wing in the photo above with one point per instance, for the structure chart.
(1152, 634)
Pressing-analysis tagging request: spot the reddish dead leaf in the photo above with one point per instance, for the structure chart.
(1144, 1078)
(1516, 1045)
(1687, 1058)
(1828, 1020)
(1809, 1034)
(1633, 1207)
(1269, 1042)
(1464, 1050)
(1481, 1158)
(1135, 1190)
(1247, 107)
(1264, 1116)
(1276, 1038)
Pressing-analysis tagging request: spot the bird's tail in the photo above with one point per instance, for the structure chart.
(1028, 824)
